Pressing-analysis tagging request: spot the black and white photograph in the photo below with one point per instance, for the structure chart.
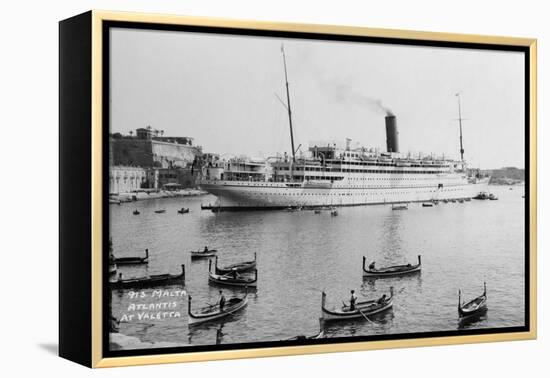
(286, 190)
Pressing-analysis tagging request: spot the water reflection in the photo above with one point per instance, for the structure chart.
(471, 321)
(411, 281)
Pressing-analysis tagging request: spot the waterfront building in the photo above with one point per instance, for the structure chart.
(123, 179)
(149, 148)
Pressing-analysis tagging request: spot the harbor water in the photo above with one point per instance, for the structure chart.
(300, 254)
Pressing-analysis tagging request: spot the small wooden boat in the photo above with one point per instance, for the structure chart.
(293, 208)
(148, 281)
(427, 204)
(317, 211)
(162, 211)
(492, 197)
(481, 196)
(240, 267)
(477, 306)
(400, 207)
(362, 309)
(136, 212)
(203, 254)
(132, 260)
(389, 271)
(213, 312)
(183, 210)
(319, 335)
(445, 200)
(232, 279)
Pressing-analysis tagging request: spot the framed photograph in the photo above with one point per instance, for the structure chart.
(235, 189)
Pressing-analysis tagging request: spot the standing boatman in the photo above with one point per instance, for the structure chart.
(222, 301)
(352, 301)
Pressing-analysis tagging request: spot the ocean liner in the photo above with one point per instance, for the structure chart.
(339, 175)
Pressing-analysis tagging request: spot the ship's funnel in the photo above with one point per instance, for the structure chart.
(392, 135)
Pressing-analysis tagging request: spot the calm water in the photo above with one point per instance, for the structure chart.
(302, 253)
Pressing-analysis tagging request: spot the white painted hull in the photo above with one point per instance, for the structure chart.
(257, 195)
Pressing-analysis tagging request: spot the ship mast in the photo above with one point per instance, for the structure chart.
(460, 126)
(288, 106)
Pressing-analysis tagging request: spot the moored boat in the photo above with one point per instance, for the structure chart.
(203, 254)
(133, 259)
(162, 211)
(492, 197)
(427, 204)
(389, 271)
(477, 306)
(239, 267)
(149, 281)
(402, 206)
(232, 278)
(213, 312)
(481, 196)
(136, 212)
(293, 208)
(318, 335)
(362, 309)
(183, 210)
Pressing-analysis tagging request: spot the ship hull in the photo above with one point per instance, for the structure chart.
(242, 195)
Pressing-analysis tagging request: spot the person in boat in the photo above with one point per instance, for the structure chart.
(352, 301)
(222, 301)
(372, 266)
(382, 299)
(234, 273)
(114, 324)
(205, 249)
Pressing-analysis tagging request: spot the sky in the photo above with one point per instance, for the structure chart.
(223, 91)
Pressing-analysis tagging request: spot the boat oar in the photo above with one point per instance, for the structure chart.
(365, 316)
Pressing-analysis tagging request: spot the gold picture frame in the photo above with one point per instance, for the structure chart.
(92, 25)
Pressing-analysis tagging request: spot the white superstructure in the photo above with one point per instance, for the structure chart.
(332, 177)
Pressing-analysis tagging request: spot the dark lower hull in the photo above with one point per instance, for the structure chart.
(468, 314)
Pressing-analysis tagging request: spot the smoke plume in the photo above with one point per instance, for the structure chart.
(346, 93)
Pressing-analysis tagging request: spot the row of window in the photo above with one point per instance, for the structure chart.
(352, 194)
(347, 170)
